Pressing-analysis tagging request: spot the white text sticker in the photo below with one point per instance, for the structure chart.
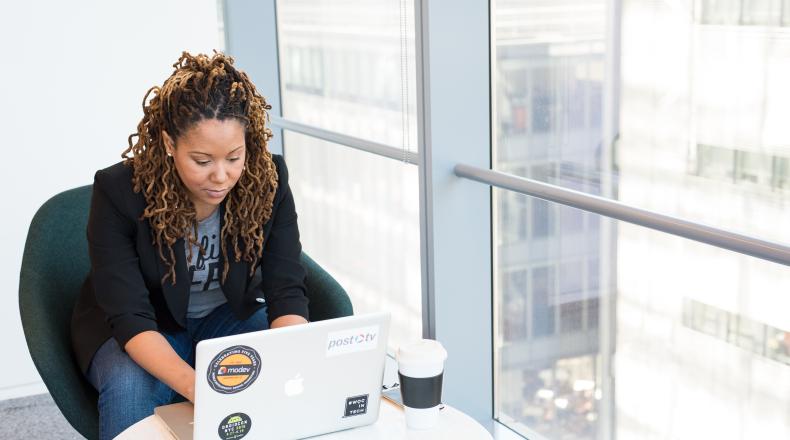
(350, 341)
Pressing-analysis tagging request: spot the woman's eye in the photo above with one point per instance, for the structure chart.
(202, 162)
(233, 159)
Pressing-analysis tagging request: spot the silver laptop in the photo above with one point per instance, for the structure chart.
(286, 383)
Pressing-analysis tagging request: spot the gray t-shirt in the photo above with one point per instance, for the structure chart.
(205, 271)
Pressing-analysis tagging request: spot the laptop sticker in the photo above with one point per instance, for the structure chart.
(351, 341)
(234, 369)
(356, 406)
(234, 426)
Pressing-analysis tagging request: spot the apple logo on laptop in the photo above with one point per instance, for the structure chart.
(294, 386)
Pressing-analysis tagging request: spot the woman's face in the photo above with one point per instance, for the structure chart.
(209, 158)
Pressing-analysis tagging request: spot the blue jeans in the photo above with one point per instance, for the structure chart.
(128, 393)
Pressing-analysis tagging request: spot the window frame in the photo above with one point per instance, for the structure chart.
(456, 270)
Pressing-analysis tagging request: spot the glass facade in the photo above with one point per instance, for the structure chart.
(359, 217)
(743, 12)
(602, 329)
(548, 125)
(605, 329)
(348, 67)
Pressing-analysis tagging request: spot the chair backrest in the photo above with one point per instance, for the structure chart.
(54, 265)
(327, 298)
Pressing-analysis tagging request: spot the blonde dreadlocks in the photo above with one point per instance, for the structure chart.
(203, 87)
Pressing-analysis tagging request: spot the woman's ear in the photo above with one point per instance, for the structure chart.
(168, 141)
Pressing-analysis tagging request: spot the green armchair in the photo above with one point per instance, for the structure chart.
(54, 265)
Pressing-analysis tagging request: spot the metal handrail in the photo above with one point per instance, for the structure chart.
(743, 244)
(349, 141)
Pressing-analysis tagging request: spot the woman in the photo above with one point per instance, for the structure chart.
(177, 232)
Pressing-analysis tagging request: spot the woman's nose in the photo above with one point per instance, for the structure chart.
(220, 174)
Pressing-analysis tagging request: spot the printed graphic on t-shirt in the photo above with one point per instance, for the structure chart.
(206, 271)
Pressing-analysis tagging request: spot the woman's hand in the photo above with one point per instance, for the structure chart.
(152, 352)
(189, 386)
(286, 320)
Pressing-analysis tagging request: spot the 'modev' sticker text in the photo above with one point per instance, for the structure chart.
(351, 341)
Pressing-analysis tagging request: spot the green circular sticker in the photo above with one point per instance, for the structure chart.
(233, 369)
(234, 426)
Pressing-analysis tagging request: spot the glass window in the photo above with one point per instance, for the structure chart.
(778, 345)
(781, 176)
(349, 67)
(541, 100)
(543, 303)
(571, 296)
(696, 135)
(549, 70)
(514, 318)
(698, 107)
(740, 331)
(555, 395)
(754, 167)
(707, 319)
(359, 219)
(221, 24)
(716, 163)
(514, 207)
(542, 218)
(746, 333)
(572, 220)
(762, 12)
(688, 326)
(720, 11)
(743, 167)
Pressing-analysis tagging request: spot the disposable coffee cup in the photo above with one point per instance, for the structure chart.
(420, 369)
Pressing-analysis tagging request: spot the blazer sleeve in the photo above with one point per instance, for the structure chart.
(283, 276)
(115, 268)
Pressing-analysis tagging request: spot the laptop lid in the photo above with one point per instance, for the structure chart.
(291, 382)
(178, 419)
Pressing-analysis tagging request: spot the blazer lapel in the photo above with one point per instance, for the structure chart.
(235, 284)
(177, 296)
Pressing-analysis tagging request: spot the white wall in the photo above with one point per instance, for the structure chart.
(72, 79)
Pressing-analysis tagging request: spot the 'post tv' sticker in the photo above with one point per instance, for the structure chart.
(234, 426)
(350, 341)
(233, 369)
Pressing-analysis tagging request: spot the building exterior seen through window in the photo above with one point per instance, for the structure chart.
(349, 67)
(602, 329)
(755, 337)
(609, 330)
(744, 12)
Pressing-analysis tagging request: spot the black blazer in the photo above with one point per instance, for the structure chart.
(123, 294)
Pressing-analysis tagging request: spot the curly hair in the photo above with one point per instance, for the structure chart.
(203, 87)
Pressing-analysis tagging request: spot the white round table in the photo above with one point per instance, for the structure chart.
(453, 424)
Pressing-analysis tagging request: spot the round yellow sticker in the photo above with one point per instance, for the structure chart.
(233, 369)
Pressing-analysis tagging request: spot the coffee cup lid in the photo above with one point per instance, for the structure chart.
(422, 351)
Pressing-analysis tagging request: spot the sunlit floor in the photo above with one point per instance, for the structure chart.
(34, 417)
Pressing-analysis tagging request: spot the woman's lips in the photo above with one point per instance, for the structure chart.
(216, 194)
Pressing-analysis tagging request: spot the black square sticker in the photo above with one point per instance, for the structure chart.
(356, 405)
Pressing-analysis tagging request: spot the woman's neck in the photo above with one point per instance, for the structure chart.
(203, 212)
